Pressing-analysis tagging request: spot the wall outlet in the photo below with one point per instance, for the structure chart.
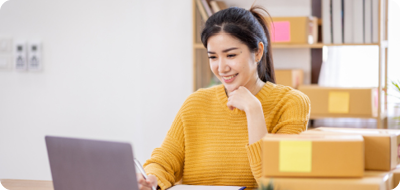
(35, 62)
(20, 56)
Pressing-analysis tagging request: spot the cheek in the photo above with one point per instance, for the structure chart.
(251, 65)
(242, 66)
(247, 68)
(214, 67)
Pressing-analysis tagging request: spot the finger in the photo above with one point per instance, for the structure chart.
(141, 187)
(230, 105)
(153, 180)
(144, 187)
(147, 186)
(141, 181)
(139, 176)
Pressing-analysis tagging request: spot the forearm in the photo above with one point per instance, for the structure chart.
(255, 123)
(166, 162)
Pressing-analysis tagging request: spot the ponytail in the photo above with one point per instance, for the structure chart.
(265, 67)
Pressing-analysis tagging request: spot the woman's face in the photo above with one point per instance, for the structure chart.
(232, 62)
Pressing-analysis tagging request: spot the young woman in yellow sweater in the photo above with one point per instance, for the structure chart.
(215, 137)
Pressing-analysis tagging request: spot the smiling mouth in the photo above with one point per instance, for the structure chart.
(230, 77)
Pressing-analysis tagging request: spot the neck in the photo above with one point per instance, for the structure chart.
(254, 89)
(257, 86)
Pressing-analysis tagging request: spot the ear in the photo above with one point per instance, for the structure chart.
(260, 51)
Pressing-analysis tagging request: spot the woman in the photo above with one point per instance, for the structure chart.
(215, 137)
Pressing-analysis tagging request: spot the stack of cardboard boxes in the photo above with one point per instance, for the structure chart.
(331, 159)
(294, 30)
(341, 102)
(332, 102)
(289, 77)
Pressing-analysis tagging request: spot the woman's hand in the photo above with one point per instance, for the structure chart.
(242, 99)
(146, 184)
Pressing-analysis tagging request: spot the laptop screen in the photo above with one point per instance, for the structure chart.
(82, 164)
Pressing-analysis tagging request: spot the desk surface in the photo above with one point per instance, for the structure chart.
(18, 184)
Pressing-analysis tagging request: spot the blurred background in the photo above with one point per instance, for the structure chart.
(120, 70)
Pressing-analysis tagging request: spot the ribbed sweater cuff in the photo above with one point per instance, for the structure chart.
(156, 170)
(254, 155)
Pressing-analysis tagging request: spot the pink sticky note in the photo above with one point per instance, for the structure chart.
(376, 100)
(280, 31)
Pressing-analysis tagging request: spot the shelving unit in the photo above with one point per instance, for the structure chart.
(316, 45)
(202, 75)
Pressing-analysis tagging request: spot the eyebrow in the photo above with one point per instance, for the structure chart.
(224, 51)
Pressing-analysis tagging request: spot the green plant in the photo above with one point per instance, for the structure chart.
(270, 186)
(396, 87)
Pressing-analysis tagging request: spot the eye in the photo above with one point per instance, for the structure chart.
(212, 57)
(231, 55)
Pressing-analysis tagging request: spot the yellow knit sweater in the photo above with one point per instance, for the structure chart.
(208, 143)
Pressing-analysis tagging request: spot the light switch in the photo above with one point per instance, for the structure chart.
(35, 56)
(20, 58)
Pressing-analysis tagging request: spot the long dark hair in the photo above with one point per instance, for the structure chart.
(250, 27)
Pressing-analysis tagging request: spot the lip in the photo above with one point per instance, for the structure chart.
(229, 80)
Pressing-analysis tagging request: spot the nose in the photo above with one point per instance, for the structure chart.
(223, 67)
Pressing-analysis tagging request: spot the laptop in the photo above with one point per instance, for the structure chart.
(82, 164)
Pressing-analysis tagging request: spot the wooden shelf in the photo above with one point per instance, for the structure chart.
(341, 116)
(317, 45)
(319, 21)
(288, 46)
(202, 73)
(198, 46)
(383, 116)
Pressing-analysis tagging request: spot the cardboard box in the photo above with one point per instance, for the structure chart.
(370, 181)
(312, 155)
(294, 30)
(381, 145)
(396, 177)
(341, 102)
(289, 77)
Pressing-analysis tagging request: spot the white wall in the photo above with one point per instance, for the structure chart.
(114, 70)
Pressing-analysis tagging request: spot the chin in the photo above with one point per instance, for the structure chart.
(230, 87)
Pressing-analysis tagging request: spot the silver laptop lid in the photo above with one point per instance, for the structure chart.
(81, 164)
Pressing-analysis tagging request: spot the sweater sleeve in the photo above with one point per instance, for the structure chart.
(295, 114)
(254, 155)
(166, 162)
(293, 120)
